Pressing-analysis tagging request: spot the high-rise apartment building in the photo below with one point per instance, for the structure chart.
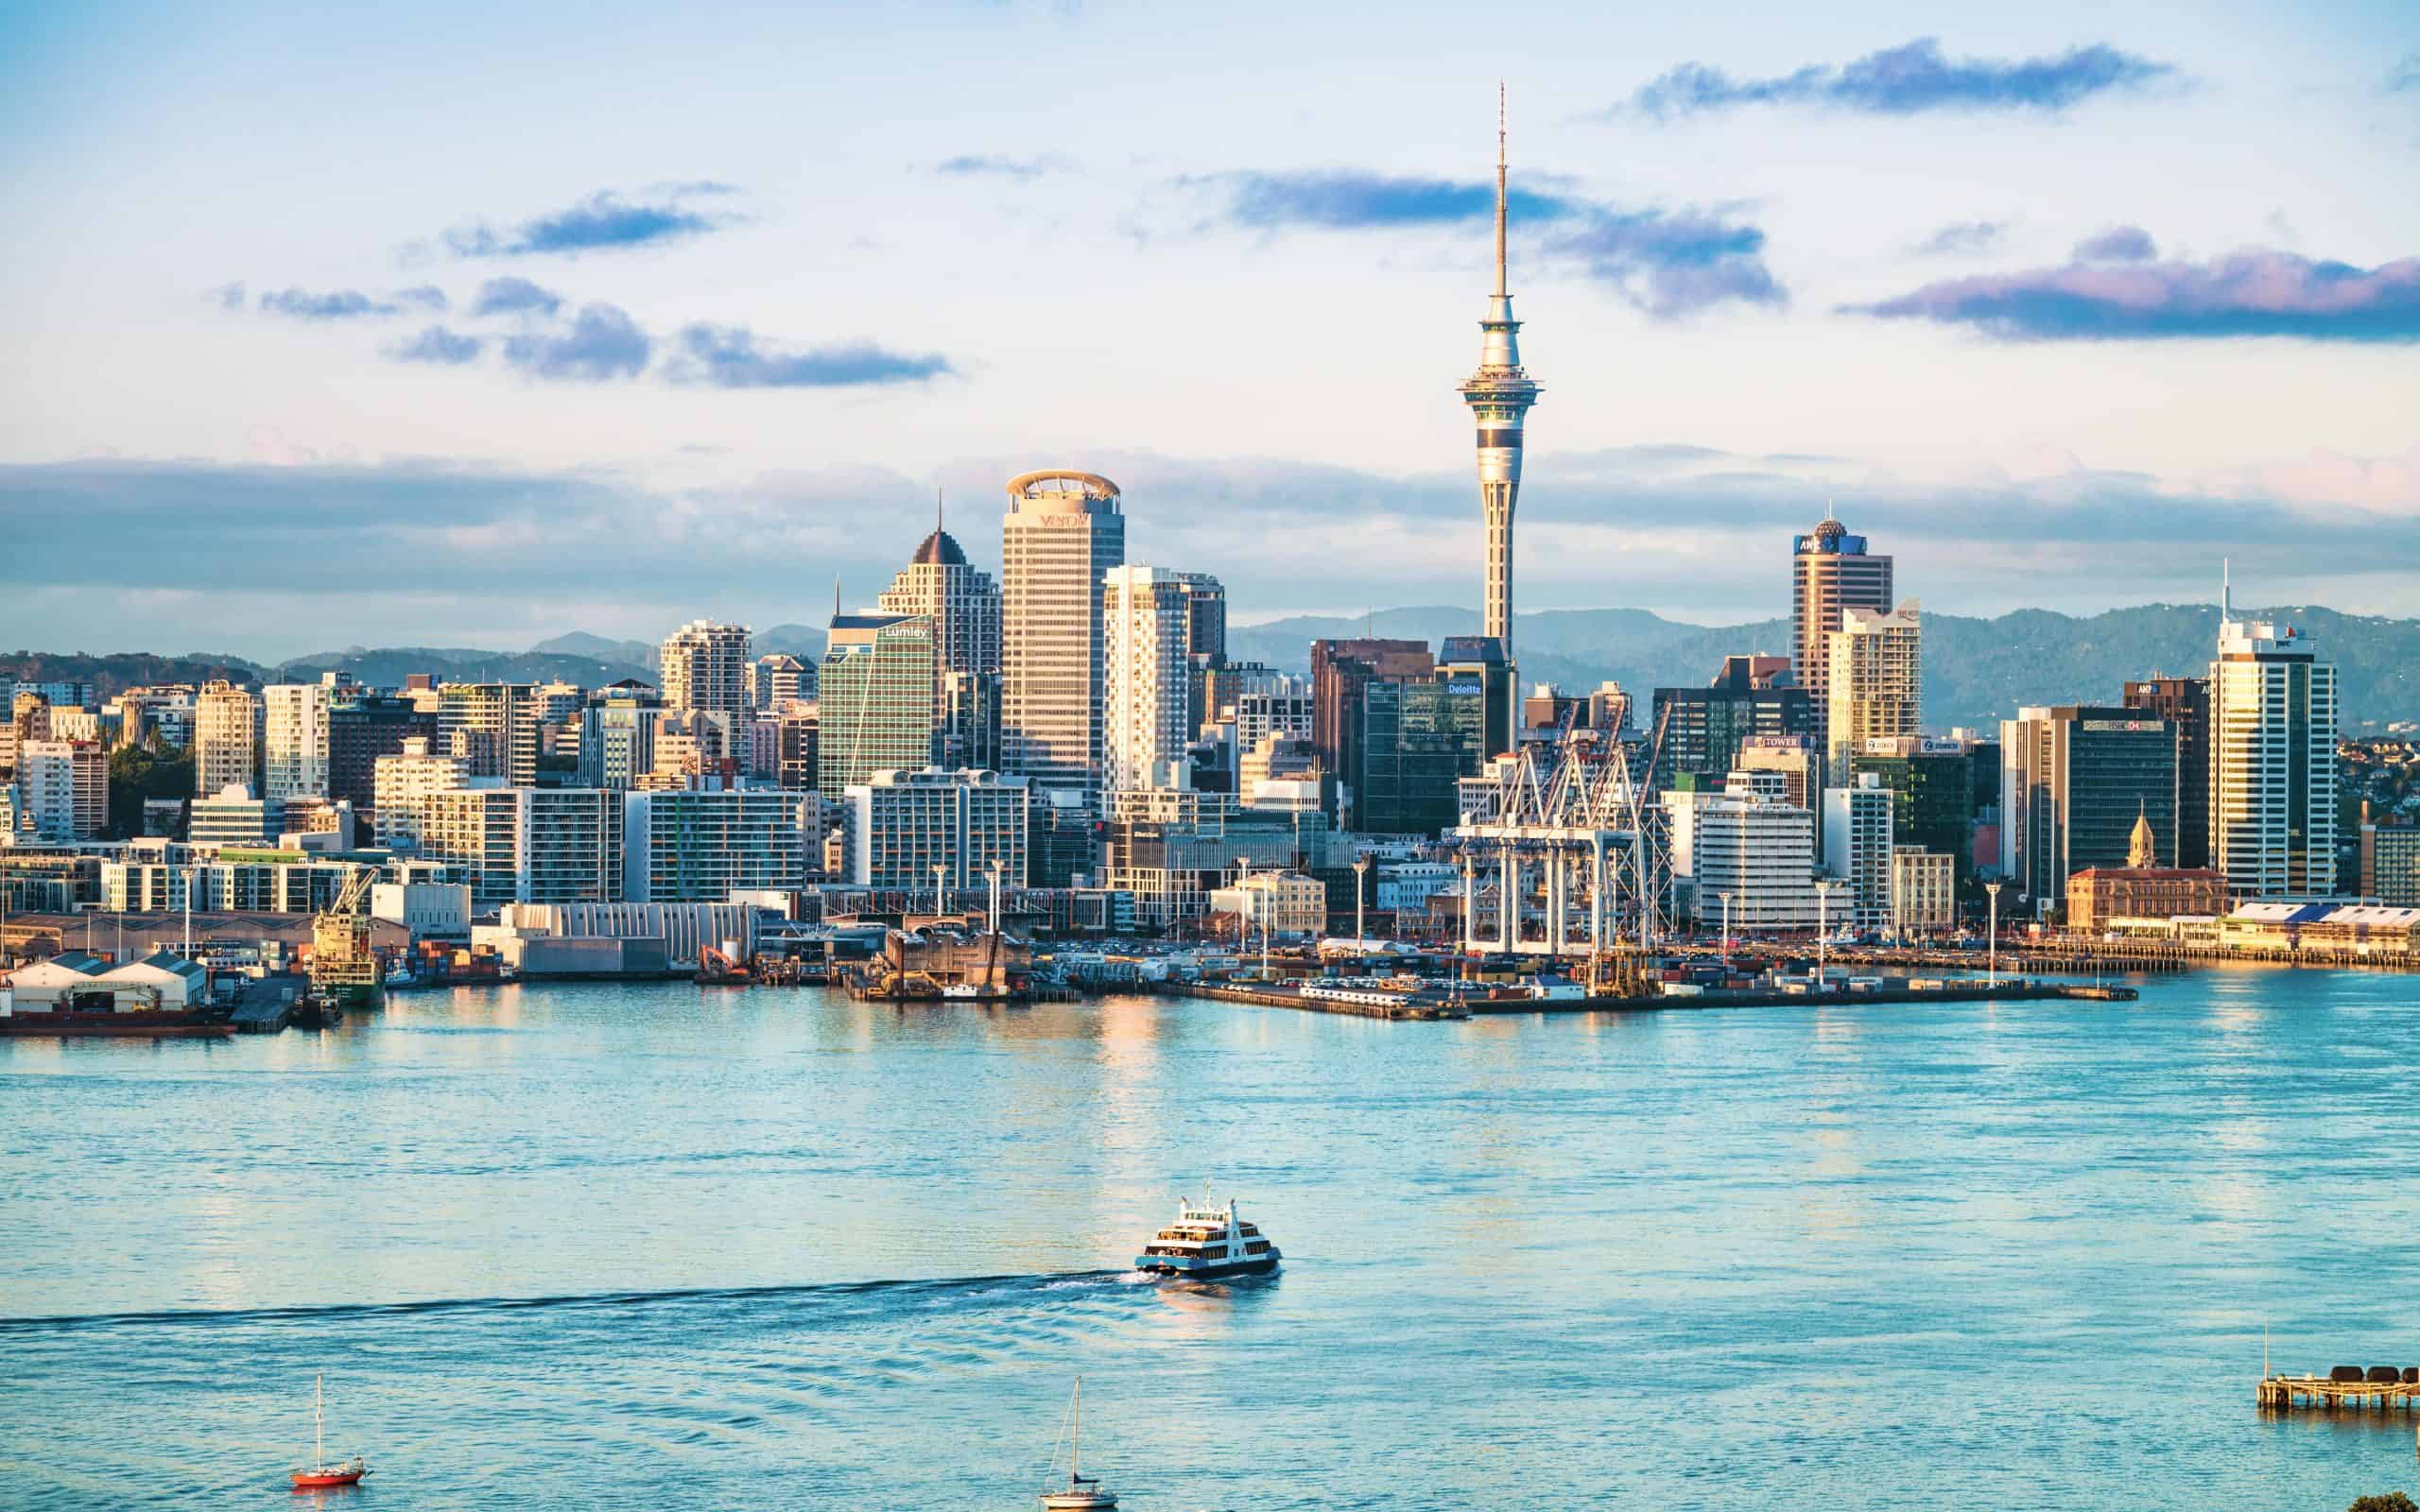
(2185, 703)
(696, 846)
(65, 789)
(492, 727)
(2075, 779)
(2391, 863)
(528, 844)
(401, 785)
(903, 824)
(364, 726)
(226, 740)
(617, 735)
(1831, 571)
(1873, 680)
(1063, 532)
(706, 668)
(1147, 626)
(1858, 847)
(875, 710)
(1500, 395)
(1750, 846)
(28, 719)
(776, 680)
(2273, 762)
(294, 736)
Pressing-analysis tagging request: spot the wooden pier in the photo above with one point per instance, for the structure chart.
(2282, 1393)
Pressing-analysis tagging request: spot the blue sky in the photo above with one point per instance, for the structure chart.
(485, 323)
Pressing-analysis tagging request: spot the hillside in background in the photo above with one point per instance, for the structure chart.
(1975, 671)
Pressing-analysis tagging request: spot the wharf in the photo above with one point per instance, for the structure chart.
(2284, 1393)
(267, 1006)
(1406, 1008)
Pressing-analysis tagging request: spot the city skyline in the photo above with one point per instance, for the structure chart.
(1770, 272)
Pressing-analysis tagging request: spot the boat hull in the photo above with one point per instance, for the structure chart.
(326, 1480)
(142, 1023)
(1207, 1271)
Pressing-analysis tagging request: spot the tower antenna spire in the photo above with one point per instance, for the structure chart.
(1499, 189)
(937, 510)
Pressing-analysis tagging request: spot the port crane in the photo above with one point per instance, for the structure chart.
(344, 968)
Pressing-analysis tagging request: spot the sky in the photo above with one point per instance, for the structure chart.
(476, 325)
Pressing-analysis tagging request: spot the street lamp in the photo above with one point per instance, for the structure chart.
(940, 874)
(1823, 929)
(993, 872)
(1360, 871)
(1992, 938)
(1726, 924)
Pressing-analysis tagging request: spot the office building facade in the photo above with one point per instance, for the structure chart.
(1874, 683)
(901, 824)
(2185, 703)
(875, 710)
(1147, 619)
(2074, 781)
(701, 846)
(1063, 531)
(2272, 762)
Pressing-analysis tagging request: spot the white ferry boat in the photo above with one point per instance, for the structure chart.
(1208, 1241)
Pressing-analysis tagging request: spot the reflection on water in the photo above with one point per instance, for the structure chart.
(659, 1247)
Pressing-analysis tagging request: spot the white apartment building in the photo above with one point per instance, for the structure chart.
(294, 739)
(1145, 630)
(2272, 762)
(225, 739)
(492, 727)
(697, 845)
(541, 845)
(1758, 851)
(64, 786)
(1857, 850)
(1873, 680)
(901, 824)
(1063, 531)
(706, 668)
(401, 787)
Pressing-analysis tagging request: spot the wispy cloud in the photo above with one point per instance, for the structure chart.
(601, 343)
(2119, 244)
(604, 221)
(995, 166)
(2404, 76)
(1908, 81)
(1962, 238)
(2256, 292)
(337, 304)
(514, 296)
(1666, 262)
(726, 356)
(437, 345)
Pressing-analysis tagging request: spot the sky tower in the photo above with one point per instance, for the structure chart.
(1500, 394)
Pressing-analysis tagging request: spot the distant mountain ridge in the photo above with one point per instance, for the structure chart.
(1977, 670)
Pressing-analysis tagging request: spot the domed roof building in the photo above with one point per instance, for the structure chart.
(963, 604)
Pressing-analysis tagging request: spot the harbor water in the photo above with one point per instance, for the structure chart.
(663, 1247)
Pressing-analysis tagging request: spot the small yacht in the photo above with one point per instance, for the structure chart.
(1082, 1493)
(1207, 1241)
(322, 1475)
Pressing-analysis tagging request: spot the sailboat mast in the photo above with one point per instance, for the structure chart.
(1076, 1437)
(318, 1420)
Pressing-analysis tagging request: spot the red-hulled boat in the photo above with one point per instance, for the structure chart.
(322, 1475)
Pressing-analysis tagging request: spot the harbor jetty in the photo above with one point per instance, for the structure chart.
(2348, 1387)
(1318, 995)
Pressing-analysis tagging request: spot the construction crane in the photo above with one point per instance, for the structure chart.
(344, 968)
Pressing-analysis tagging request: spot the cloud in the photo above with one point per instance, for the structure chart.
(230, 296)
(993, 165)
(728, 356)
(338, 304)
(2406, 74)
(437, 345)
(1908, 81)
(1668, 262)
(514, 296)
(2119, 244)
(1962, 238)
(601, 343)
(603, 222)
(2257, 292)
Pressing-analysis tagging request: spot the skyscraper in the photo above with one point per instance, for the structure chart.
(294, 739)
(1829, 571)
(2075, 781)
(1873, 680)
(1500, 395)
(1146, 618)
(492, 727)
(875, 710)
(705, 669)
(963, 604)
(1063, 531)
(2273, 762)
(2184, 702)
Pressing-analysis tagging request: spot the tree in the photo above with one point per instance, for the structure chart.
(2385, 1502)
(147, 771)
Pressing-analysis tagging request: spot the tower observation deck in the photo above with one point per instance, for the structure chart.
(1500, 394)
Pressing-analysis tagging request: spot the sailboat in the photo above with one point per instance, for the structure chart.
(1081, 1494)
(321, 1475)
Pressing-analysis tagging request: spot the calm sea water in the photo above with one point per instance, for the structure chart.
(664, 1247)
